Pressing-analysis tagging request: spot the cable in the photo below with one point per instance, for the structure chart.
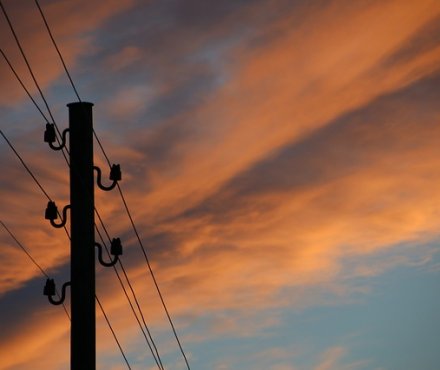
(24, 249)
(25, 166)
(113, 332)
(57, 49)
(153, 276)
(157, 359)
(33, 261)
(25, 58)
(49, 31)
(17, 41)
(31, 174)
(22, 84)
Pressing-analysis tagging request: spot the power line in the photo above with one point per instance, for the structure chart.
(160, 365)
(11, 27)
(31, 174)
(37, 85)
(57, 49)
(33, 261)
(24, 249)
(25, 165)
(153, 276)
(49, 31)
(22, 84)
(113, 332)
(158, 358)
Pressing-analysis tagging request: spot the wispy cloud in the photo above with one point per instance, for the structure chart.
(262, 150)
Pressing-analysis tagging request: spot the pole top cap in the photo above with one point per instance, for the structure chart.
(77, 103)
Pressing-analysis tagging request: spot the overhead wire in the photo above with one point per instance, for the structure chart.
(37, 85)
(119, 188)
(22, 84)
(25, 165)
(11, 27)
(156, 355)
(33, 261)
(56, 48)
(153, 276)
(113, 331)
(49, 31)
(28, 170)
(24, 249)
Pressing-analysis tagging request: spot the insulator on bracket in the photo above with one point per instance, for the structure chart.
(51, 212)
(50, 136)
(50, 290)
(115, 176)
(49, 287)
(116, 247)
(115, 173)
(115, 251)
(49, 133)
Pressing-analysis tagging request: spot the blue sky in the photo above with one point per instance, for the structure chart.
(280, 159)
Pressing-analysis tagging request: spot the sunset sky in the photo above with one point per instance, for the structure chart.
(281, 159)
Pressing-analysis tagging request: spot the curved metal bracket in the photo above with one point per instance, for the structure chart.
(63, 141)
(101, 261)
(63, 219)
(115, 175)
(63, 295)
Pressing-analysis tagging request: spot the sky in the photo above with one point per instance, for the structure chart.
(281, 161)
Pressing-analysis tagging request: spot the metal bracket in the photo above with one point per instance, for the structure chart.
(101, 261)
(115, 176)
(63, 219)
(50, 137)
(49, 291)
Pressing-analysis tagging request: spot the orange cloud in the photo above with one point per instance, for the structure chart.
(281, 93)
(72, 27)
(320, 147)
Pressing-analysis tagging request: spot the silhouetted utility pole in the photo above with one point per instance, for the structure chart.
(82, 224)
(82, 246)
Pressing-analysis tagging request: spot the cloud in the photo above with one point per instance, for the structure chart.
(362, 185)
(331, 359)
(242, 196)
(277, 97)
(73, 29)
(317, 146)
(124, 58)
(282, 219)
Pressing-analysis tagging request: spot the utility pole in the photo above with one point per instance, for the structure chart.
(82, 247)
(82, 224)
